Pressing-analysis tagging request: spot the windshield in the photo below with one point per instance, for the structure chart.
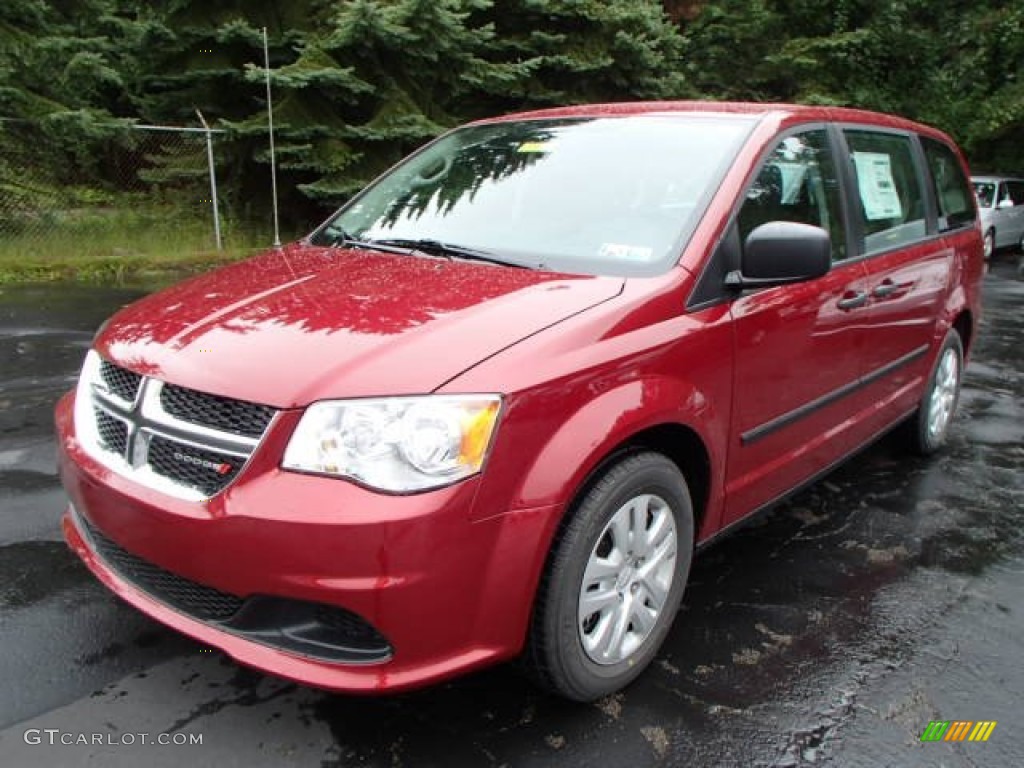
(615, 196)
(986, 193)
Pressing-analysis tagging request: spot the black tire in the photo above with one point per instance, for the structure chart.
(923, 438)
(989, 244)
(555, 654)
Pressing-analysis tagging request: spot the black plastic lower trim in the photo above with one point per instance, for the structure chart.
(779, 422)
(315, 630)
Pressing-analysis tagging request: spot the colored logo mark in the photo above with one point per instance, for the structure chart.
(958, 730)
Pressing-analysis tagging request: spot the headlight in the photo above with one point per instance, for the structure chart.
(396, 444)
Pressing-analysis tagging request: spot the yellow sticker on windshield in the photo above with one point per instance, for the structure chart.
(533, 146)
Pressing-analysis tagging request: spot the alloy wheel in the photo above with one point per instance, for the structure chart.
(943, 395)
(627, 579)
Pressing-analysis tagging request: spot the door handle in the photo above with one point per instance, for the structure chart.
(885, 288)
(852, 300)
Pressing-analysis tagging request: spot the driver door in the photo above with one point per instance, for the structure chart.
(798, 348)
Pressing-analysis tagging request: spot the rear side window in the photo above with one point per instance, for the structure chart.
(1014, 191)
(952, 190)
(891, 203)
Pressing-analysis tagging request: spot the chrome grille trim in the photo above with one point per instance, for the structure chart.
(145, 419)
(174, 428)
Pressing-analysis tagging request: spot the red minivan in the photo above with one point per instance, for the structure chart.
(493, 406)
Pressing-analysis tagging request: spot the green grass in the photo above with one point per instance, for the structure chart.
(117, 244)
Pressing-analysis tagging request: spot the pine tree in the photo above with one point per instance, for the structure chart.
(381, 77)
(60, 83)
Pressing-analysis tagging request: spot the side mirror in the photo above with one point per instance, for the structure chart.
(782, 252)
(1005, 203)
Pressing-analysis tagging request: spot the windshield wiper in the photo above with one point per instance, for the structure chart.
(342, 239)
(448, 250)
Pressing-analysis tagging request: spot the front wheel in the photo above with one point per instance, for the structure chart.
(930, 424)
(989, 244)
(614, 580)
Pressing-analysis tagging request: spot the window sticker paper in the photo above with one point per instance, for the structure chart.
(877, 187)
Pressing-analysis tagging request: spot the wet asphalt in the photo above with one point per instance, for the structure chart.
(830, 632)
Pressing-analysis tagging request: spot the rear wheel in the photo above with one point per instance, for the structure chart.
(614, 580)
(989, 244)
(930, 425)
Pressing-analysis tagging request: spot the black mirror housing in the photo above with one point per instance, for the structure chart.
(782, 252)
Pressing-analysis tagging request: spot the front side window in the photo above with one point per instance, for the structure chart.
(889, 200)
(798, 183)
(953, 193)
(617, 195)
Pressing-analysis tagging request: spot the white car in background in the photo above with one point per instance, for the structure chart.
(1001, 210)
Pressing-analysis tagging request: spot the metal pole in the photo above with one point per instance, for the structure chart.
(213, 182)
(270, 123)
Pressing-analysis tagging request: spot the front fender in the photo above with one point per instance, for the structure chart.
(594, 431)
(548, 454)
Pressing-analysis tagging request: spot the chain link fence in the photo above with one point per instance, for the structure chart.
(139, 193)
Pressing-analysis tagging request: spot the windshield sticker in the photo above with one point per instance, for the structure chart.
(533, 146)
(625, 252)
(877, 188)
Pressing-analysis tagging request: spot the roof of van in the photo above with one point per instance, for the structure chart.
(753, 109)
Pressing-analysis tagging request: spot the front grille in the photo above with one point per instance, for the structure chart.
(205, 470)
(235, 416)
(113, 432)
(120, 381)
(195, 441)
(204, 603)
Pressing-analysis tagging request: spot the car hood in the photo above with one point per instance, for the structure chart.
(306, 323)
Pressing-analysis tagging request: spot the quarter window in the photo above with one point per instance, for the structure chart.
(798, 183)
(953, 193)
(891, 204)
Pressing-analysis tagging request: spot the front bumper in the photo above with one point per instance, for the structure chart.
(449, 590)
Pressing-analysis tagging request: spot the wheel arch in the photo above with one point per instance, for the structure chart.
(684, 448)
(963, 324)
(679, 443)
(665, 414)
